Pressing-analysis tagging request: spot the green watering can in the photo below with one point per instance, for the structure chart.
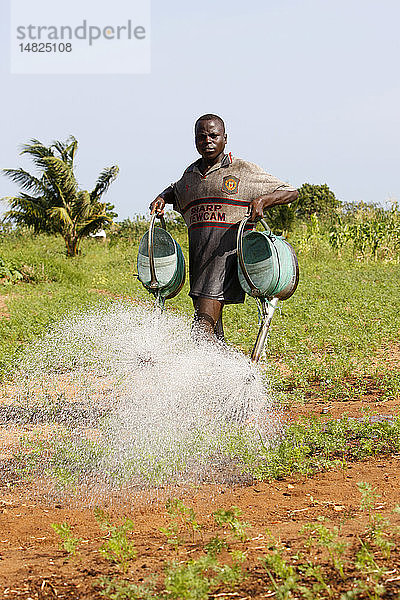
(160, 262)
(268, 270)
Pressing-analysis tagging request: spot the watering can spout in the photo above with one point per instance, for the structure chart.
(268, 309)
(268, 271)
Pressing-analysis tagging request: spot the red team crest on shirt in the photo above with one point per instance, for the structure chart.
(230, 184)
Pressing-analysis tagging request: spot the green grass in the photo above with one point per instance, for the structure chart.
(327, 334)
(330, 329)
(311, 445)
(306, 448)
(62, 285)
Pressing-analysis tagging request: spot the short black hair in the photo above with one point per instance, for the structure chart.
(210, 117)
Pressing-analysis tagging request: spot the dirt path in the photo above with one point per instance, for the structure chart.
(32, 566)
(29, 547)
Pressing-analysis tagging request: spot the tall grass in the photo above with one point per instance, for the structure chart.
(369, 230)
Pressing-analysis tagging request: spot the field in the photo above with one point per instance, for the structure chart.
(314, 515)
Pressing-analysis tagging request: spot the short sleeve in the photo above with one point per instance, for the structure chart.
(263, 183)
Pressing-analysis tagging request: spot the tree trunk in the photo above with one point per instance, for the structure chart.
(72, 245)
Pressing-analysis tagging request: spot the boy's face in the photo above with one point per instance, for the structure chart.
(210, 139)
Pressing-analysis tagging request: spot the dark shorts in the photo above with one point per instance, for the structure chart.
(213, 264)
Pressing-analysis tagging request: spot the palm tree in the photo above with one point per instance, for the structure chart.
(52, 202)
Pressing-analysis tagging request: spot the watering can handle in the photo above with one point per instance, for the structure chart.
(254, 290)
(153, 277)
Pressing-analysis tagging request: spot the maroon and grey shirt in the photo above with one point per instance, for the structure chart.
(212, 206)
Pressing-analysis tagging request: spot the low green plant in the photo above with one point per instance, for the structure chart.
(196, 579)
(378, 525)
(321, 536)
(362, 575)
(369, 496)
(68, 542)
(318, 584)
(313, 445)
(181, 518)
(28, 455)
(230, 518)
(171, 530)
(192, 580)
(282, 575)
(371, 572)
(65, 479)
(216, 545)
(9, 273)
(325, 568)
(117, 589)
(117, 548)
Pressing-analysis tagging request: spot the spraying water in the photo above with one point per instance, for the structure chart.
(123, 396)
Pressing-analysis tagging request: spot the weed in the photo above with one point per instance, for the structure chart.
(192, 580)
(323, 537)
(369, 496)
(29, 454)
(313, 445)
(68, 542)
(181, 515)
(378, 525)
(230, 518)
(216, 545)
(196, 579)
(117, 589)
(233, 574)
(277, 567)
(365, 562)
(9, 273)
(306, 579)
(290, 577)
(312, 571)
(172, 533)
(117, 548)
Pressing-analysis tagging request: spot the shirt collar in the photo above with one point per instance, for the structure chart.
(225, 162)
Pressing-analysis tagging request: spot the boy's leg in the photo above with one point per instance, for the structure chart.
(219, 329)
(208, 316)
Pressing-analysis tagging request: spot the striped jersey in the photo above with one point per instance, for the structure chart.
(212, 205)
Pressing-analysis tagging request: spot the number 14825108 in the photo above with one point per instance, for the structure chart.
(46, 47)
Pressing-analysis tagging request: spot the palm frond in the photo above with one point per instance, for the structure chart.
(62, 175)
(66, 149)
(83, 208)
(37, 151)
(25, 180)
(30, 211)
(61, 218)
(53, 201)
(105, 179)
(72, 148)
(93, 225)
(25, 200)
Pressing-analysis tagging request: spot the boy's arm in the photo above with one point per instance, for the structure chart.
(258, 205)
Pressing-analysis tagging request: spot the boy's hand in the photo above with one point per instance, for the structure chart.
(157, 206)
(256, 208)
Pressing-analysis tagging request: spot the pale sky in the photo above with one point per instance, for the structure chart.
(309, 90)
